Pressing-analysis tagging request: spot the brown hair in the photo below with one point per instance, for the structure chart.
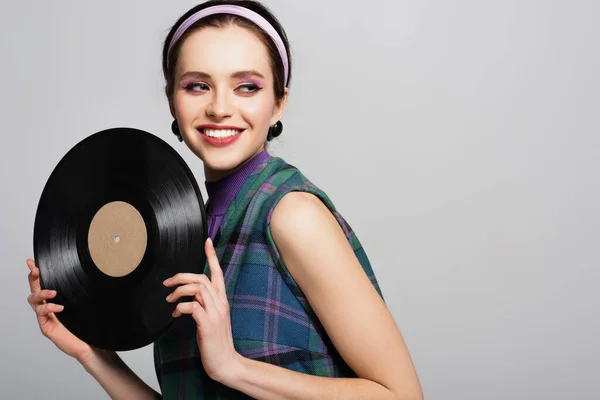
(223, 20)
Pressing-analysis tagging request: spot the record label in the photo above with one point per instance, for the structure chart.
(117, 238)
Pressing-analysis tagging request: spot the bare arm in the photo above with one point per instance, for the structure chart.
(106, 366)
(115, 377)
(266, 381)
(317, 254)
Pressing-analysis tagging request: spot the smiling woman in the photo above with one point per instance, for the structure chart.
(288, 306)
(223, 77)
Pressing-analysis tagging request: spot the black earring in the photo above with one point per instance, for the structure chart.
(275, 131)
(175, 129)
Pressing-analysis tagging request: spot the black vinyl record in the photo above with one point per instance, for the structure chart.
(120, 213)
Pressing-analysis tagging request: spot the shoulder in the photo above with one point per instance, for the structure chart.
(300, 216)
(294, 206)
(311, 242)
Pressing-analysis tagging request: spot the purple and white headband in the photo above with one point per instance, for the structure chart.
(239, 11)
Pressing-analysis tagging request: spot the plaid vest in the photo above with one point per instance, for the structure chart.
(271, 318)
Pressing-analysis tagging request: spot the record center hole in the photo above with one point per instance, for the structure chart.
(117, 239)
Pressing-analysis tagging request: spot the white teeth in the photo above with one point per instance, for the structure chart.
(220, 133)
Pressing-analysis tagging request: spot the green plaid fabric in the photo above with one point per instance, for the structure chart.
(271, 318)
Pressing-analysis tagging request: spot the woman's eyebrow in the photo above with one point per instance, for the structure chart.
(238, 74)
(247, 74)
(195, 74)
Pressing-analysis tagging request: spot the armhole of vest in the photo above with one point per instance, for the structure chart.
(352, 240)
(287, 276)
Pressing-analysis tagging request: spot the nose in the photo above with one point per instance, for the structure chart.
(220, 106)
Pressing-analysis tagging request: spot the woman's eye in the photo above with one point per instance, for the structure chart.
(196, 87)
(249, 88)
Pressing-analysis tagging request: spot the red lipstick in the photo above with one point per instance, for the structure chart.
(219, 142)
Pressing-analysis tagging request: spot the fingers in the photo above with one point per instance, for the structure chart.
(43, 310)
(188, 278)
(216, 273)
(190, 290)
(182, 278)
(37, 300)
(217, 282)
(212, 304)
(34, 276)
(203, 292)
(195, 310)
(31, 265)
(38, 297)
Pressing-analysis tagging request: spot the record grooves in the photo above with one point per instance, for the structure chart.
(120, 213)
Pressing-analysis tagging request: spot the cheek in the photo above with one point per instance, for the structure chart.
(259, 112)
(186, 107)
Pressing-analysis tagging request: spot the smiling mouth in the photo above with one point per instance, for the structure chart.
(220, 133)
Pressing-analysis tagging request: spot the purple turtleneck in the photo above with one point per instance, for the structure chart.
(222, 192)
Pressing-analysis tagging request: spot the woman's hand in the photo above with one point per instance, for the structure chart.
(210, 310)
(49, 324)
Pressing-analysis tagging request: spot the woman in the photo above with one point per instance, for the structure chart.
(295, 312)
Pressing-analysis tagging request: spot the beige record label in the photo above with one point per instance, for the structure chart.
(117, 238)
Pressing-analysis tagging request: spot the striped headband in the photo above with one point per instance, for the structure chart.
(239, 11)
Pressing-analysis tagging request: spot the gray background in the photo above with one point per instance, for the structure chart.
(459, 139)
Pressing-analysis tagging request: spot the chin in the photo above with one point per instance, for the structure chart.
(223, 161)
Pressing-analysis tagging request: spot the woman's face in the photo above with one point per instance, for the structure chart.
(223, 97)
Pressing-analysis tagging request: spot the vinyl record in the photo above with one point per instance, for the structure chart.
(120, 213)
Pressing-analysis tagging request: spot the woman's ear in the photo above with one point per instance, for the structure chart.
(170, 100)
(172, 109)
(279, 107)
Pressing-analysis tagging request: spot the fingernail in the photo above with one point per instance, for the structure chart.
(209, 241)
(166, 281)
(168, 297)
